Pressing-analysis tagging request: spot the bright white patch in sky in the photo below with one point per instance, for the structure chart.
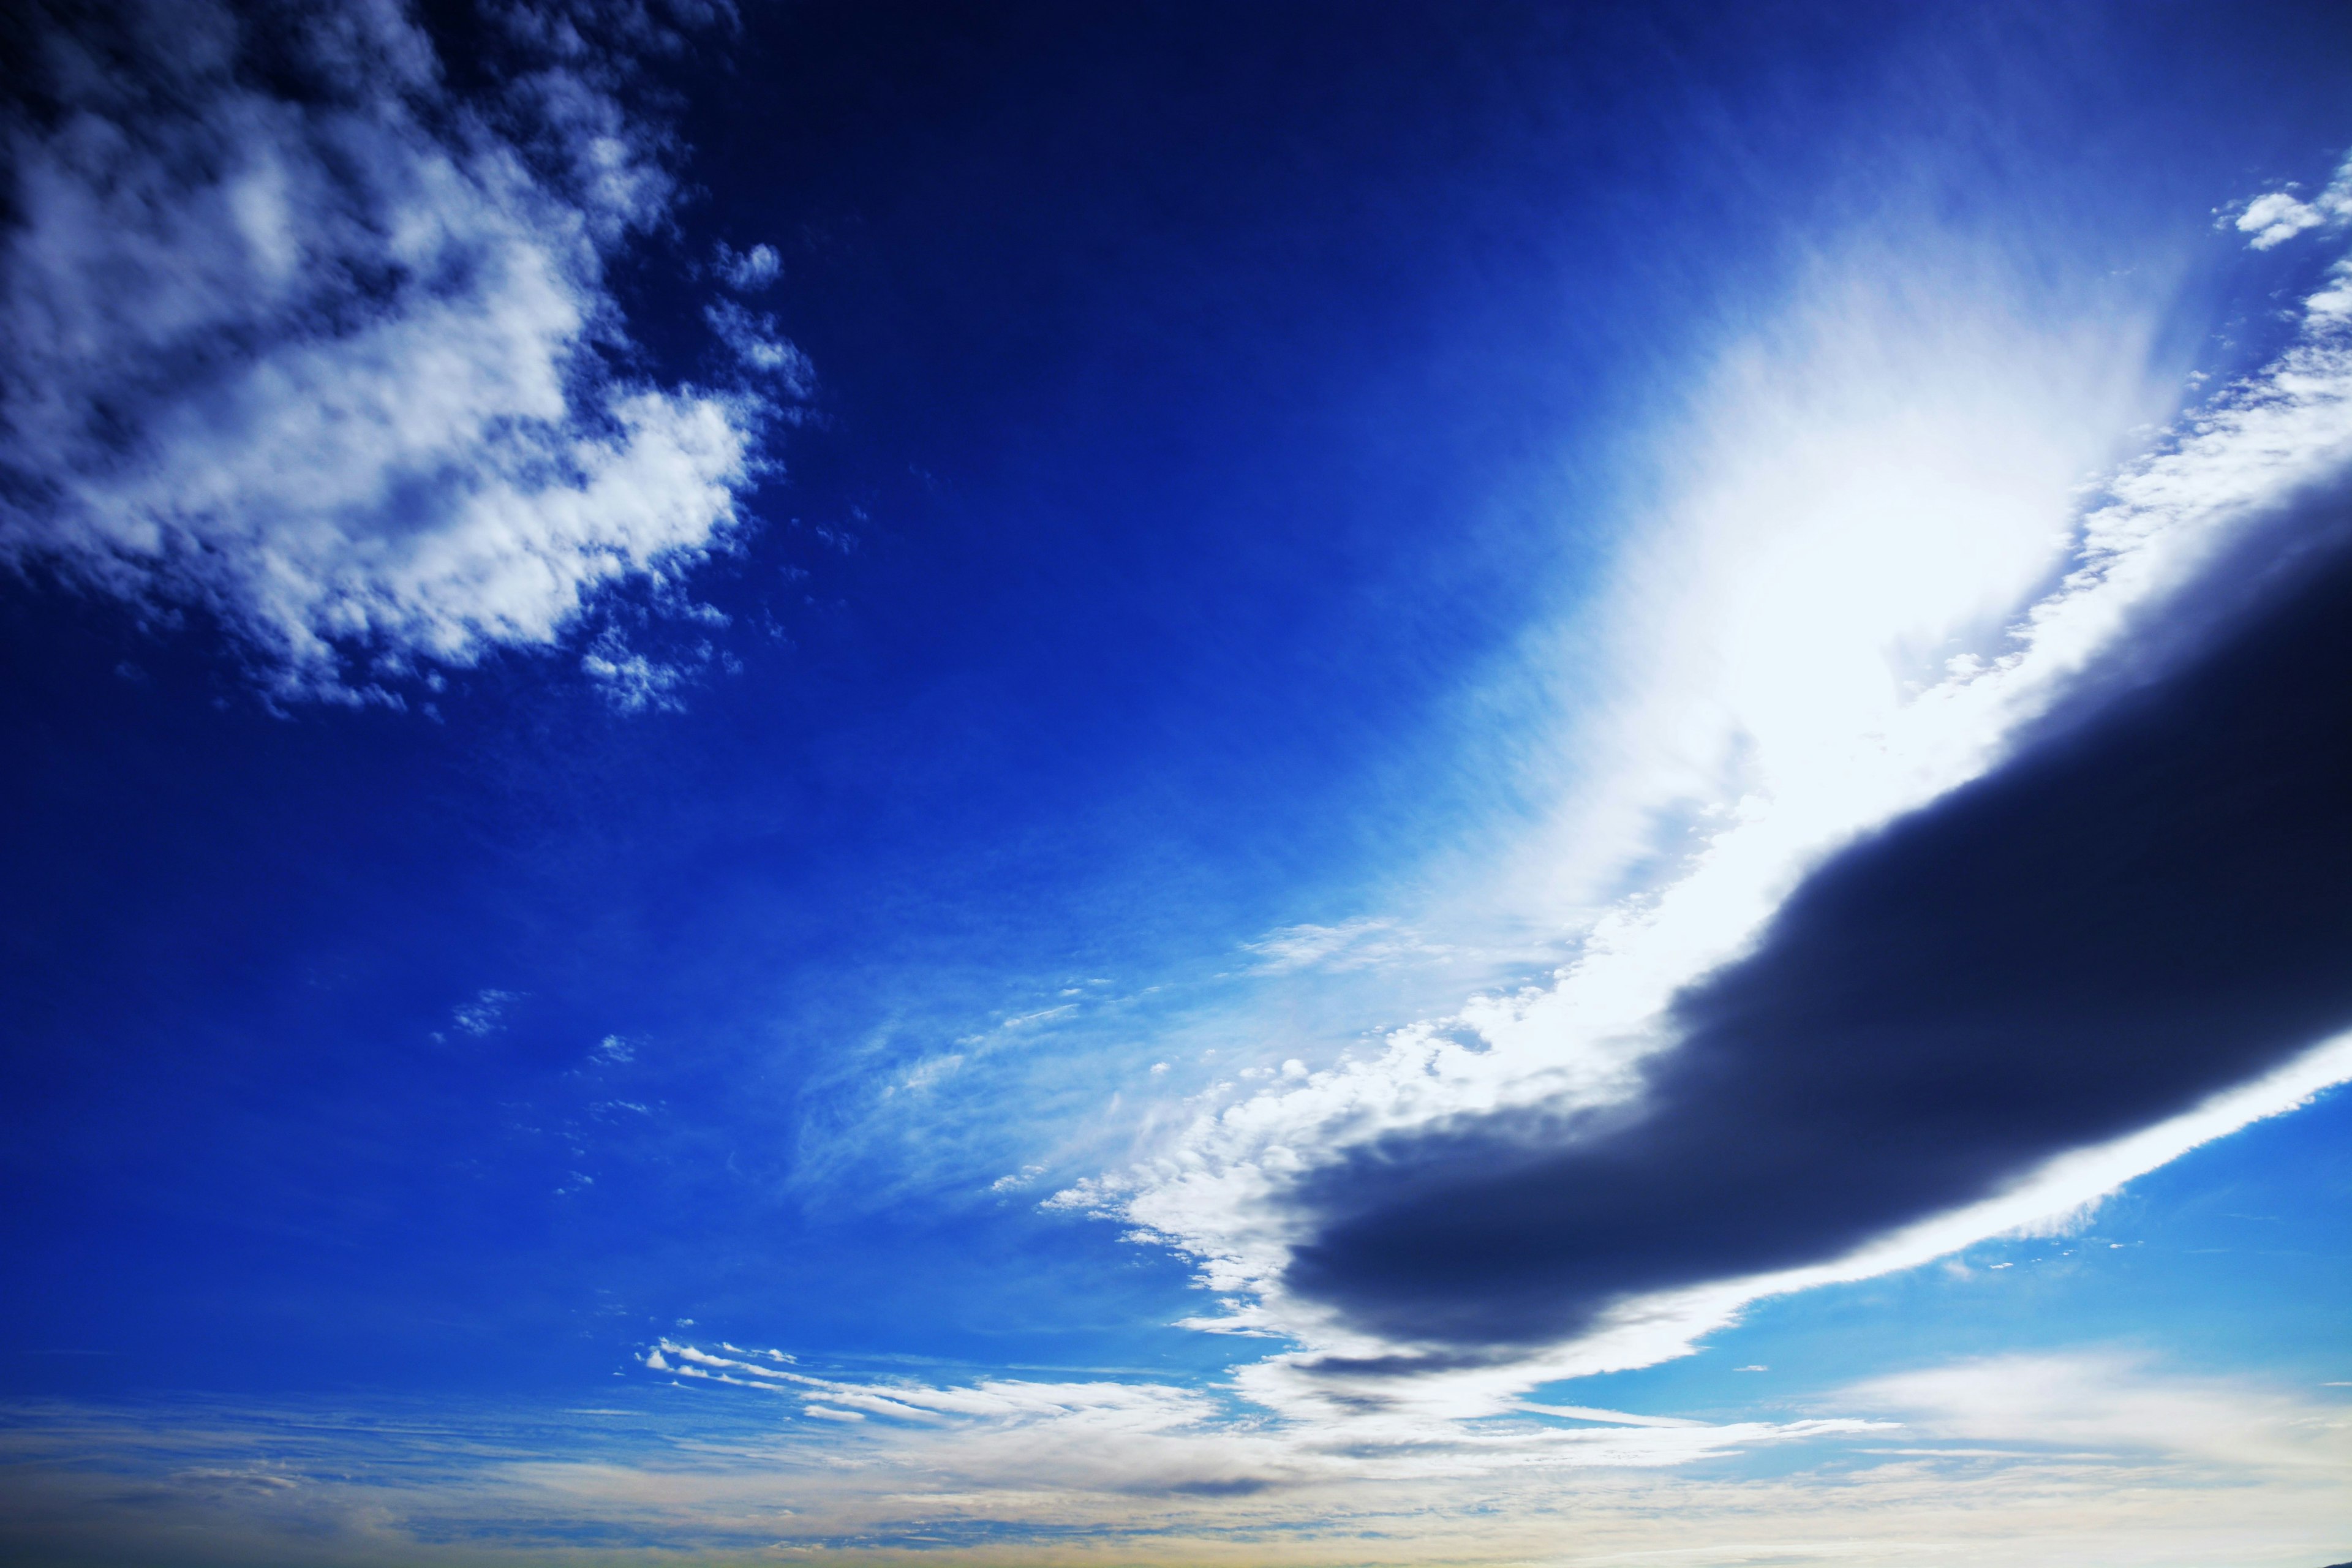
(2117, 1404)
(1881, 561)
(330, 368)
(2277, 216)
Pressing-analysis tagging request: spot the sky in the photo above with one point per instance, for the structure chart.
(1212, 784)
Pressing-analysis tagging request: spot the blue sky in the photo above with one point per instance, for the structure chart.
(1228, 784)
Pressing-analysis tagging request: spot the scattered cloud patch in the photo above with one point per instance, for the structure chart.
(749, 271)
(1352, 944)
(630, 681)
(927, 1072)
(759, 349)
(1016, 1179)
(484, 1014)
(2277, 216)
(329, 356)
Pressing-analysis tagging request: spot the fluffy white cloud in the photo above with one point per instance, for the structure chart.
(2277, 216)
(327, 361)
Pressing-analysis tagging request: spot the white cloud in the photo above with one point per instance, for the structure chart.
(519, 1485)
(632, 682)
(1015, 1180)
(754, 340)
(749, 271)
(1362, 943)
(927, 1072)
(331, 367)
(2026, 1462)
(2277, 216)
(484, 1014)
(1122, 1438)
(2118, 1404)
(1844, 615)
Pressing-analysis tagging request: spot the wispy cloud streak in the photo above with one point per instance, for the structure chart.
(2040, 1458)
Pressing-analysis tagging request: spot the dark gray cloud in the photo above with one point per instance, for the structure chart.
(2150, 902)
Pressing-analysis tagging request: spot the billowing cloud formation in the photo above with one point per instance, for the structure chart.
(1815, 1045)
(2132, 916)
(290, 329)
